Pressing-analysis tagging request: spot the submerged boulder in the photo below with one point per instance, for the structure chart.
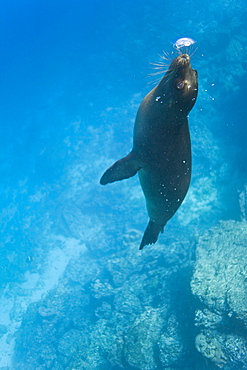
(220, 284)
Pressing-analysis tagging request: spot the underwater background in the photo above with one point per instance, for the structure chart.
(75, 291)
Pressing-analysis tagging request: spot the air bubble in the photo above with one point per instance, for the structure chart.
(183, 42)
(184, 45)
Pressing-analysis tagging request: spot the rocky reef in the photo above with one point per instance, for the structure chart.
(163, 308)
(130, 310)
(220, 284)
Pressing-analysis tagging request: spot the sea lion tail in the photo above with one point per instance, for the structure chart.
(120, 170)
(151, 234)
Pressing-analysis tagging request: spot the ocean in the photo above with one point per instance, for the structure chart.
(76, 292)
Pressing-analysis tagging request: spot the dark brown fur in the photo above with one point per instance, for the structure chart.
(161, 151)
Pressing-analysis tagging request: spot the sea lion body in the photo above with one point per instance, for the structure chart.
(161, 151)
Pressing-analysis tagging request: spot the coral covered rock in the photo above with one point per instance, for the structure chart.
(220, 283)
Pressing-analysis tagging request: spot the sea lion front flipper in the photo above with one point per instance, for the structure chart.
(151, 234)
(120, 170)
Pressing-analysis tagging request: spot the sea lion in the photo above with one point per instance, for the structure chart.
(161, 152)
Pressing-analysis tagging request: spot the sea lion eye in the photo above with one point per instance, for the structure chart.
(180, 85)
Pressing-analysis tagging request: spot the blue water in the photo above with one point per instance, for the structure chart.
(73, 74)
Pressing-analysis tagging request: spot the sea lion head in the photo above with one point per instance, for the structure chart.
(182, 83)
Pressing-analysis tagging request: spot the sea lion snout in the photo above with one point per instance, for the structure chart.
(184, 58)
(181, 61)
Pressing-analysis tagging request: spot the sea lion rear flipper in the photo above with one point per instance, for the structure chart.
(151, 234)
(120, 170)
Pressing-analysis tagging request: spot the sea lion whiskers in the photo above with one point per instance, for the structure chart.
(160, 67)
(153, 82)
(169, 74)
(160, 64)
(162, 71)
(193, 52)
(190, 50)
(166, 56)
(163, 67)
(157, 73)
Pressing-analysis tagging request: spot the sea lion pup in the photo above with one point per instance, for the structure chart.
(161, 151)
